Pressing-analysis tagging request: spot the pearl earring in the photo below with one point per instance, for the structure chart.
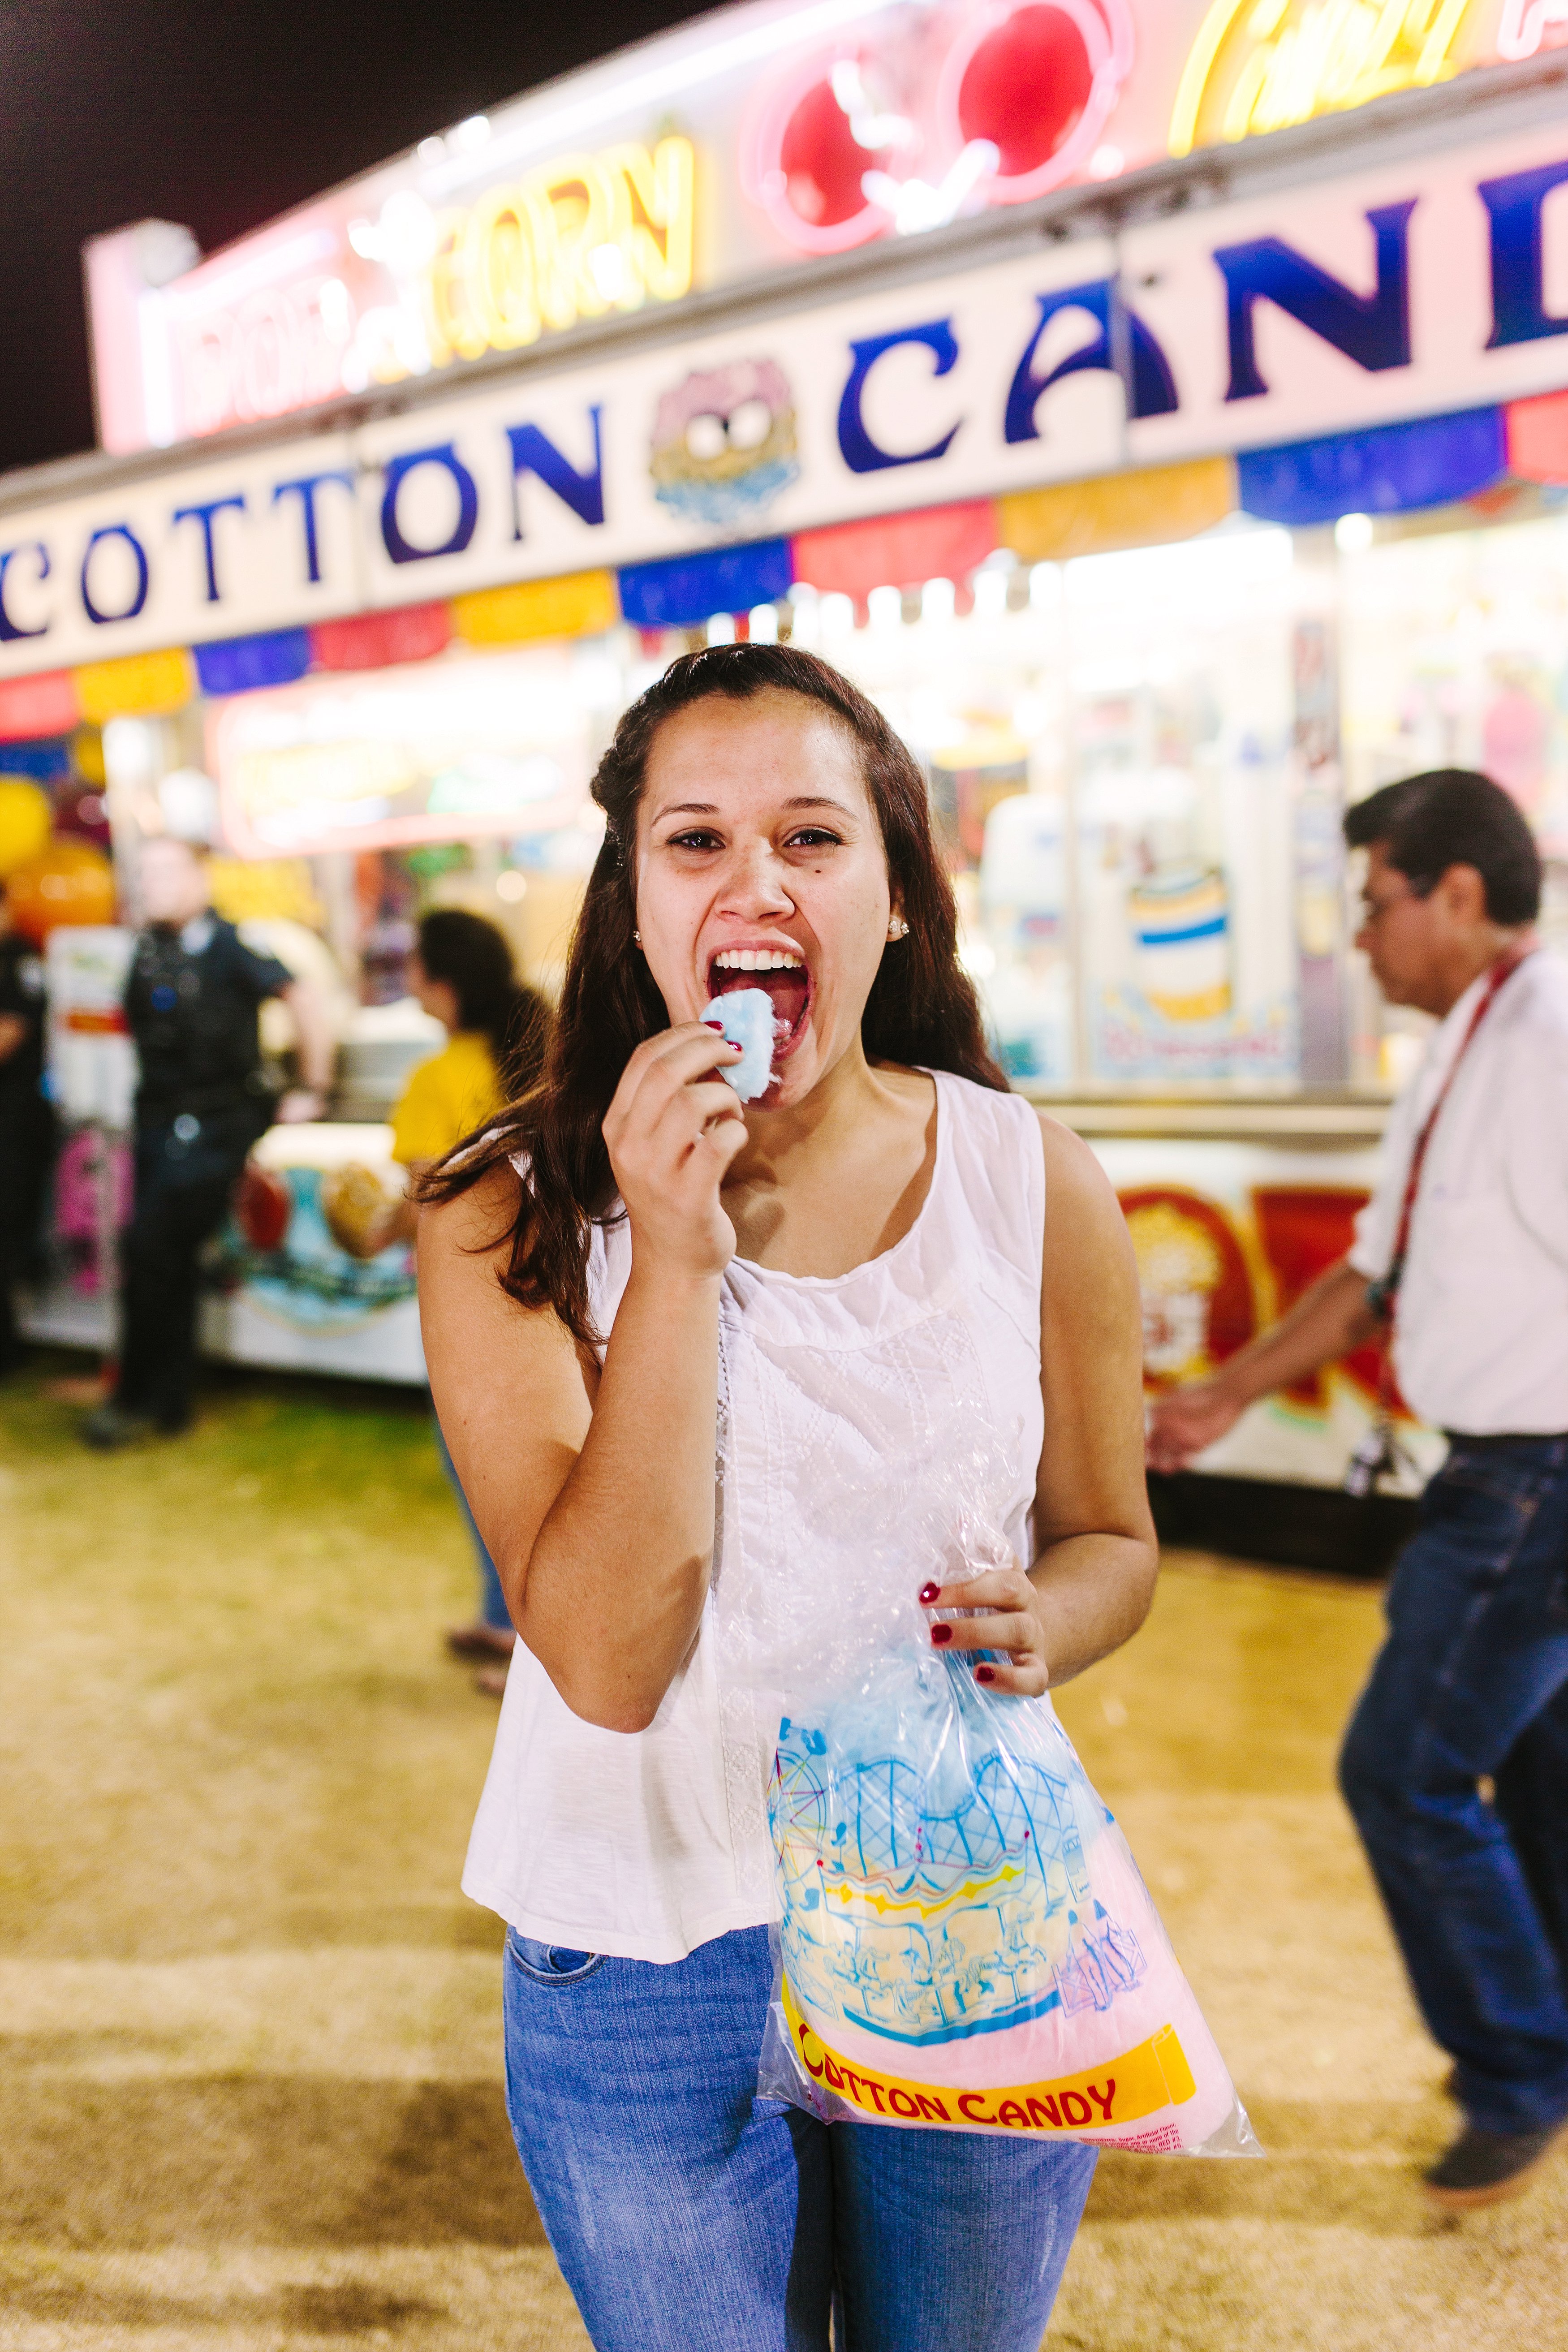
(897, 929)
(636, 939)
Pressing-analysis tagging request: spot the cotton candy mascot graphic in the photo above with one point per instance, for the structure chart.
(724, 443)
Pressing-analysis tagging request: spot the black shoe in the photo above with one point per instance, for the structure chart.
(110, 1426)
(1482, 2167)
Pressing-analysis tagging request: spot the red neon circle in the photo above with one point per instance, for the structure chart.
(1039, 79)
(1026, 87)
(823, 162)
(802, 162)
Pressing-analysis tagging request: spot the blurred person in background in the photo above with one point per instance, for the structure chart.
(26, 1122)
(1455, 1763)
(497, 1029)
(192, 1003)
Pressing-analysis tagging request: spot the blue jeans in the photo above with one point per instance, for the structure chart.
(1472, 1684)
(688, 2215)
(493, 1610)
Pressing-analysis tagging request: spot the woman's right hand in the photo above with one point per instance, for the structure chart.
(672, 1130)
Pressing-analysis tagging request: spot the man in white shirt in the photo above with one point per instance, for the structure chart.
(1455, 1763)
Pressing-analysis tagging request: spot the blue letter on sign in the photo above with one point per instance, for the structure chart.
(861, 453)
(9, 629)
(398, 472)
(305, 489)
(115, 530)
(204, 515)
(1153, 391)
(1374, 329)
(1518, 295)
(532, 453)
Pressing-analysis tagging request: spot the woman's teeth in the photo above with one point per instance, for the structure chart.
(757, 959)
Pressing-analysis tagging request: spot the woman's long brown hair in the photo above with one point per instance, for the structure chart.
(921, 1009)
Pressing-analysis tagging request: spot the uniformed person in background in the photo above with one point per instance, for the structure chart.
(192, 1003)
(26, 1122)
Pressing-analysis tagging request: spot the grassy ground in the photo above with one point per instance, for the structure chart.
(249, 2062)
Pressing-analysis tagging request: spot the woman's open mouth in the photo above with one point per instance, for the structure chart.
(782, 974)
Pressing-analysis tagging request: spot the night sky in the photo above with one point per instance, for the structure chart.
(218, 116)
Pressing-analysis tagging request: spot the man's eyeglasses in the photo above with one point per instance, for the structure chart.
(1420, 886)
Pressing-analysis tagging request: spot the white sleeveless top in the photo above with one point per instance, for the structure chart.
(844, 1401)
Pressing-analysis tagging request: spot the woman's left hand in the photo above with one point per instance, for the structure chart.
(1011, 1625)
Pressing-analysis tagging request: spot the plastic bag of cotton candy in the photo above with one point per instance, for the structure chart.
(963, 1941)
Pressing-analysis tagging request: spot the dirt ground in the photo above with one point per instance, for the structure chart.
(249, 2029)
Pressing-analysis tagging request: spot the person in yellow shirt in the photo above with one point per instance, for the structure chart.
(497, 1031)
(448, 1096)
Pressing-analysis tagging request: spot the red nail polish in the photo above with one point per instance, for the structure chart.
(940, 1634)
(714, 1024)
(984, 1674)
(928, 1594)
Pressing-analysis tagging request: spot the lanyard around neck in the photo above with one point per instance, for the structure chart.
(1382, 1295)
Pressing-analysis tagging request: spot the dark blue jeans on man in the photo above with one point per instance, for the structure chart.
(1472, 1687)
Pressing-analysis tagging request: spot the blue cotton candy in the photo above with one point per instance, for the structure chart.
(747, 1018)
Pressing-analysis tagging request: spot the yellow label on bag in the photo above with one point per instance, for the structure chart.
(1153, 2074)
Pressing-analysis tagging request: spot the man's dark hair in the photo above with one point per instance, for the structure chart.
(1453, 816)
